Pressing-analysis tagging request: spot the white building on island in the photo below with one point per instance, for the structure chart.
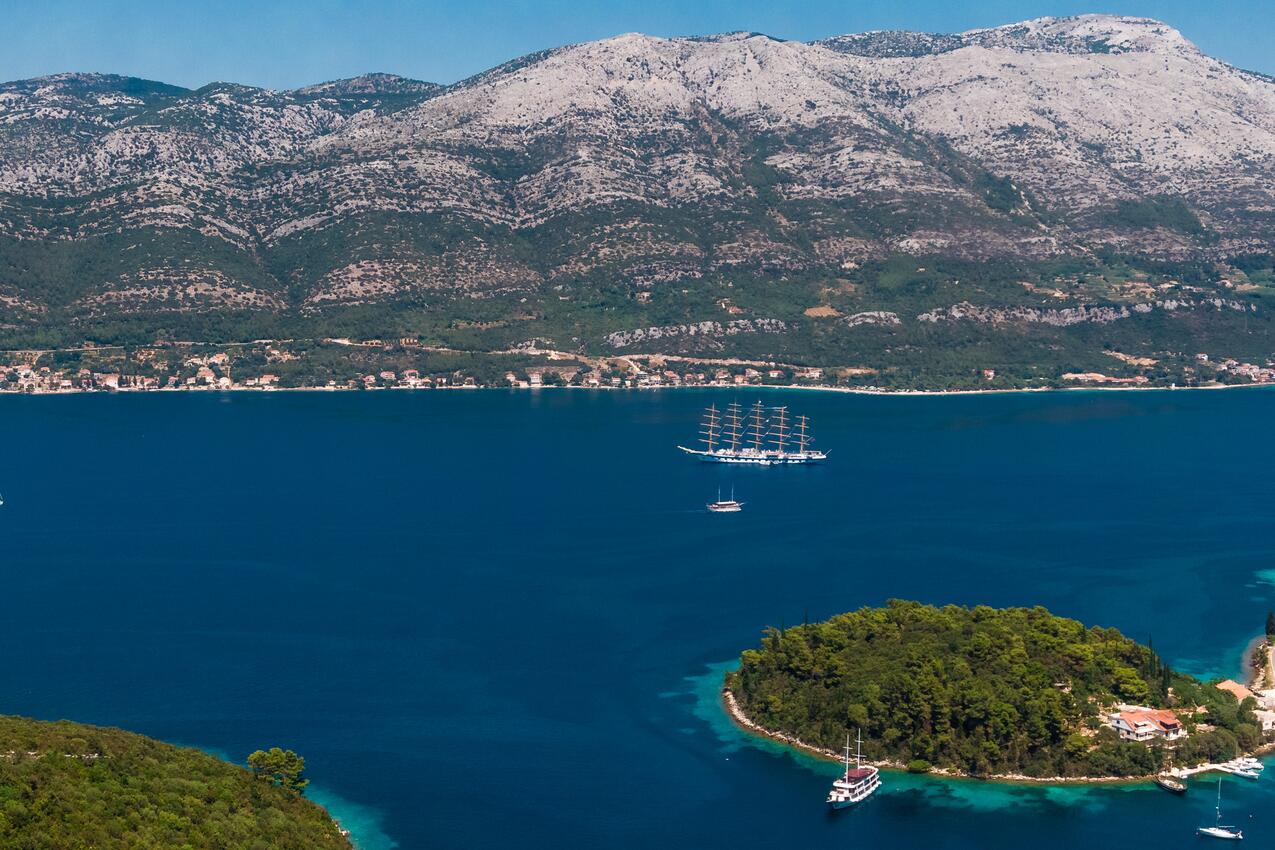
(1135, 723)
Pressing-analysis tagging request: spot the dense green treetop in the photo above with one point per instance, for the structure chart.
(980, 690)
(283, 768)
(68, 786)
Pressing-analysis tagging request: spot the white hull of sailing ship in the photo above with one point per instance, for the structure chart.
(857, 783)
(761, 437)
(761, 458)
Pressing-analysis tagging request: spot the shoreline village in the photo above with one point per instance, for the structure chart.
(405, 364)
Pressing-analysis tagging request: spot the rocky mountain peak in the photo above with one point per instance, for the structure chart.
(1084, 34)
(645, 160)
(375, 83)
(1078, 34)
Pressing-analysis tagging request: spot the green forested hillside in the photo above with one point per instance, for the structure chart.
(979, 690)
(68, 786)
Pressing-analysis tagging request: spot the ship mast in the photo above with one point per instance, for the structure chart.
(780, 428)
(732, 426)
(711, 429)
(803, 439)
(758, 426)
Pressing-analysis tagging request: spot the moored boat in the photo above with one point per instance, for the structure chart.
(856, 783)
(1241, 768)
(1220, 830)
(1173, 786)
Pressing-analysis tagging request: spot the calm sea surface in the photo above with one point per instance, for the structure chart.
(497, 619)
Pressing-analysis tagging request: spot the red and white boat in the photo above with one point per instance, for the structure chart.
(857, 783)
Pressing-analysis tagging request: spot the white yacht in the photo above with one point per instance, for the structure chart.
(1219, 830)
(1239, 767)
(856, 783)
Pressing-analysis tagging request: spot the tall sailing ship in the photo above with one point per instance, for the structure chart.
(762, 436)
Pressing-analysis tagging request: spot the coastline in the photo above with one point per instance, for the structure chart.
(737, 387)
(1258, 679)
(744, 722)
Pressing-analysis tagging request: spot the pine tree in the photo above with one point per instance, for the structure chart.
(279, 767)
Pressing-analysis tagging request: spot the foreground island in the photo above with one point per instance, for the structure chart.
(68, 785)
(998, 693)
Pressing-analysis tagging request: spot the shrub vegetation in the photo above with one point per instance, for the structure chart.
(68, 786)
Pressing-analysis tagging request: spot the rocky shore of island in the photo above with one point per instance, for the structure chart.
(731, 704)
(742, 720)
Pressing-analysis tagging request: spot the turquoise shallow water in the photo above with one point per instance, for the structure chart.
(500, 618)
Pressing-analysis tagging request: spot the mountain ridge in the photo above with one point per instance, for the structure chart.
(591, 173)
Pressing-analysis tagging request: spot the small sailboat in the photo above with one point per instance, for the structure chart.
(1219, 830)
(725, 506)
(1173, 786)
(856, 783)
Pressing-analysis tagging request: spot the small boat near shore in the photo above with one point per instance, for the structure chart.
(1236, 768)
(856, 783)
(1173, 786)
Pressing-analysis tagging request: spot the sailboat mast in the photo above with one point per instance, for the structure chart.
(732, 426)
(758, 426)
(780, 429)
(711, 428)
(803, 439)
(858, 750)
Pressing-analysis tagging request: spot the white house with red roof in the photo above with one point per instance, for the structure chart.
(1135, 723)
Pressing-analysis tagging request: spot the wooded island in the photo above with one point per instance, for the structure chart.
(987, 692)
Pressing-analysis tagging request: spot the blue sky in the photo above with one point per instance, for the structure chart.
(289, 43)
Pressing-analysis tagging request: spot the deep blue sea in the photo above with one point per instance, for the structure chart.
(499, 619)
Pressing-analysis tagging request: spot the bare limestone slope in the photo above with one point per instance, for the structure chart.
(633, 164)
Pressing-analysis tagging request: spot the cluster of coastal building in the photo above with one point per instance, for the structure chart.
(650, 378)
(339, 364)
(1256, 374)
(1228, 367)
(30, 378)
(222, 371)
(1139, 723)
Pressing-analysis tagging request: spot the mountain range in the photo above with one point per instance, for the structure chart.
(642, 184)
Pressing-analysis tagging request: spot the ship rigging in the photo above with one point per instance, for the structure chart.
(763, 436)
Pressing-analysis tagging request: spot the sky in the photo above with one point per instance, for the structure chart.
(287, 43)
